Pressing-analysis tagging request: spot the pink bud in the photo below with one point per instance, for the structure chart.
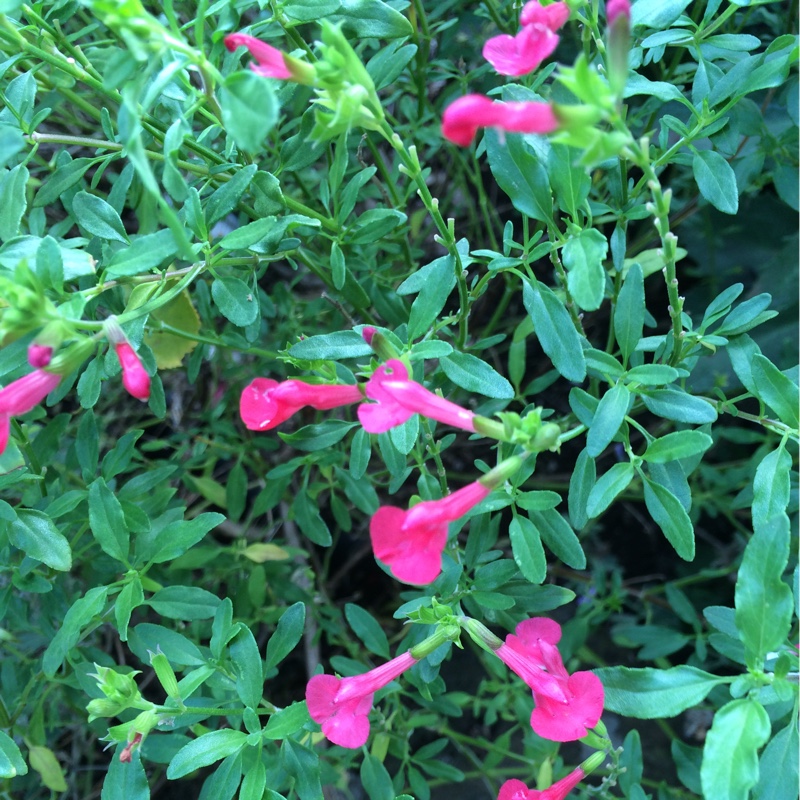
(21, 395)
(134, 376)
(616, 8)
(367, 332)
(39, 355)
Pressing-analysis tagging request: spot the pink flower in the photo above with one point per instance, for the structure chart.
(517, 790)
(39, 355)
(400, 398)
(341, 705)
(271, 61)
(411, 542)
(520, 54)
(616, 8)
(551, 17)
(21, 395)
(266, 403)
(566, 705)
(464, 116)
(134, 376)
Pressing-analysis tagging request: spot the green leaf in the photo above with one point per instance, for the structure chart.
(433, 293)
(716, 180)
(368, 629)
(184, 602)
(679, 406)
(99, 218)
(629, 311)
(144, 254)
(630, 762)
(526, 547)
(13, 200)
(129, 598)
(235, 300)
(570, 181)
(653, 374)
(254, 783)
(474, 375)
(227, 197)
(608, 418)
(555, 331)
(730, 755)
(205, 750)
(177, 537)
(581, 484)
(609, 485)
(303, 764)
(376, 780)
(65, 177)
(779, 766)
(287, 634)
(107, 521)
(249, 669)
(656, 14)
(125, 780)
(287, 721)
(680, 444)
(763, 600)
(668, 513)
(371, 19)
(520, 174)
(655, 693)
(771, 487)
(79, 616)
(331, 346)
(583, 257)
(11, 760)
(559, 537)
(775, 389)
(249, 109)
(35, 534)
(310, 521)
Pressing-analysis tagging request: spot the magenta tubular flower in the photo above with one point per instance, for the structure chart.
(566, 705)
(342, 705)
(21, 395)
(411, 542)
(520, 54)
(134, 376)
(399, 398)
(266, 403)
(463, 117)
(271, 61)
(551, 17)
(517, 790)
(615, 8)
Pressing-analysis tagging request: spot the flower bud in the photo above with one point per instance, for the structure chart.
(165, 674)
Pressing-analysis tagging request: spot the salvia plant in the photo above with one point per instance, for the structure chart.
(399, 399)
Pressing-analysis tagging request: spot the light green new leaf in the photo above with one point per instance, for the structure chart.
(730, 755)
(763, 600)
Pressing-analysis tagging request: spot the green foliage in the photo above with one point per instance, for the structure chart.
(615, 302)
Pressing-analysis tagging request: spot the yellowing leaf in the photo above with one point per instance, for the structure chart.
(44, 761)
(261, 552)
(170, 348)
